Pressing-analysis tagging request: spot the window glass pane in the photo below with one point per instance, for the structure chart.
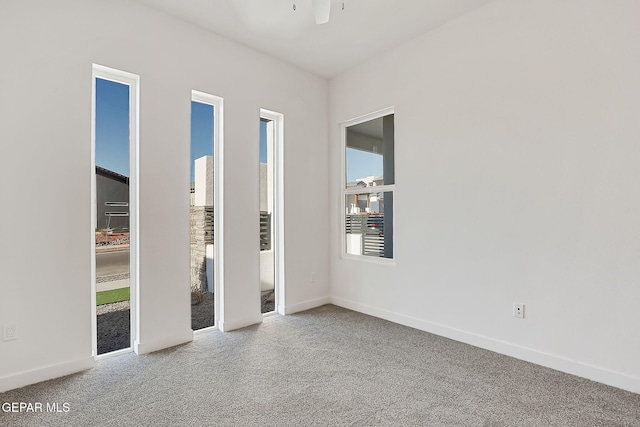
(112, 139)
(369, 224)
(369, 153)
(267, 253)
(202, 224)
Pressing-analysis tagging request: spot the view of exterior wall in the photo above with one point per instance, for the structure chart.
(203, 184)
(202, 230)
(264, 206)
(202, 227)
(201, 236)
(267, 281)
(112, 196)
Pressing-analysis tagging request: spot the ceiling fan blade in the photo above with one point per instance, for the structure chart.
(321, 10)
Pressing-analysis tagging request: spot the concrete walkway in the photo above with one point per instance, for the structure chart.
(113, 284)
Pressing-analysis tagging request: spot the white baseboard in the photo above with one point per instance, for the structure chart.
(559, 363)
(306, 305)
(240, 323)
(50, 372)
(162, 343)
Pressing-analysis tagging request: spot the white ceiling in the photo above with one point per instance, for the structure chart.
(363, 29)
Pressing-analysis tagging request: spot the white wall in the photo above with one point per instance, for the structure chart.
(267, 271)
(517, 179)
(45, 80)
(203, 181)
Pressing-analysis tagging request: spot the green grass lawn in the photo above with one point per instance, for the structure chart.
(114, 295)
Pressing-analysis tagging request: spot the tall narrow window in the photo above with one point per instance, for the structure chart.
(369, 186)
(203, 119)
(271, 212)
(114, 198)
(267, 250)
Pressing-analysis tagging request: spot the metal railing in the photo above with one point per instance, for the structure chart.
(265, 231)
(371, 226)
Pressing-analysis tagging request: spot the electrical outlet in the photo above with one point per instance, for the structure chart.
(9, 332)
(518, 310)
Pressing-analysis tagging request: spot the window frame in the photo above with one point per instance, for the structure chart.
(217, 103)
(133, 81)
(277, 218)
(344, 191)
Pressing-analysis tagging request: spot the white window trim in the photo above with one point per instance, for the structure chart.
(278, 196)
(133, 81)
(218, 198)
(377, 189)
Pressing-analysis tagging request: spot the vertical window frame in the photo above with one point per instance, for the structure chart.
(218, 211)
(277, 220)
(133, 81)
(344, 191)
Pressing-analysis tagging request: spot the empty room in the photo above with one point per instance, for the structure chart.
(320, 212)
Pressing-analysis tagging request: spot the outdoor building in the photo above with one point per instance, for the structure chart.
(112, 200)
(203, 232)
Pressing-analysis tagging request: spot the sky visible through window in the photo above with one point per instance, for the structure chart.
(263, 141)
(112, 126)
(201, 132)
(361, 164)
(112, 135)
